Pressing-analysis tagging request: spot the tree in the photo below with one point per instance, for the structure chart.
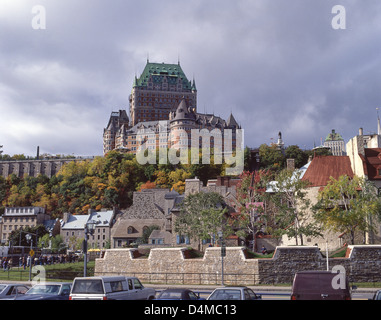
(147, 232)
(271, 157)
(347, 205)
(201, 216)
(18, 236)
(294, 152)
(292, 205)
(251, 198)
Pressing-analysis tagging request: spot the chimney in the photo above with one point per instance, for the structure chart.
(66, 217)
(291, 164)
(361, 131)
(38, 153)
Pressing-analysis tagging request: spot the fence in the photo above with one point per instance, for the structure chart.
(20, 274)
(166, 278)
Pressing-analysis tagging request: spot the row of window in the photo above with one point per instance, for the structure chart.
(14, 227)
(22, 219)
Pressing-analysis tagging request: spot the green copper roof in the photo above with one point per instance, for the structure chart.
(159, 71)
(334, 136)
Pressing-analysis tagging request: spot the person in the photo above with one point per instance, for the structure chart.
(264, 250)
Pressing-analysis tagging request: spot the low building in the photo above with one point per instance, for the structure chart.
(15, 218)
(73, 229)
(159, 207)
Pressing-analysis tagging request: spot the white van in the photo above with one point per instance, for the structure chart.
(110, 288)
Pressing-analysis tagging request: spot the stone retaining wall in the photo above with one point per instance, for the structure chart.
(172, 265)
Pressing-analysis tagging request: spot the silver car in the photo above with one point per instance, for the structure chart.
(12, 290)
(234, 293)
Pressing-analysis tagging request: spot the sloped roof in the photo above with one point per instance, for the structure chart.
(76, 222)
(103, 218)
(322, 168)
(159, 71)
(372, 163)
(231, 121)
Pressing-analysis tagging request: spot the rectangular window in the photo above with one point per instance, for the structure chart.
(116, 286)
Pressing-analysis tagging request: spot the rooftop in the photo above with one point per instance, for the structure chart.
(159, 71)
(322, 168)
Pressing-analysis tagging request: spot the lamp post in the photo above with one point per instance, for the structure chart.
(223, 254)
(31, 254)
(89, 229)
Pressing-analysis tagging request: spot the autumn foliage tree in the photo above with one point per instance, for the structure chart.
(251, 198)
(349, 205)
(103, 182)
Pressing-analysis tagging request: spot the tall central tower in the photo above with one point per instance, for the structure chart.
(158, 91)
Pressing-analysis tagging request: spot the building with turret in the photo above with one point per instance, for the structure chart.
(163, 110)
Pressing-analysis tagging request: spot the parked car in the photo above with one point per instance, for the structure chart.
(11, 290)
(234, 293)
(110, 288)
(47, 291)
(178, 294)
(377, 295)
(318, 285)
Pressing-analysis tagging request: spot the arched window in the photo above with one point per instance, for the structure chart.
(130, 230)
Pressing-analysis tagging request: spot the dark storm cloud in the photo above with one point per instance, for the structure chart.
(277, 65)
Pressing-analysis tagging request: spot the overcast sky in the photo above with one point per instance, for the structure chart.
(277, 65)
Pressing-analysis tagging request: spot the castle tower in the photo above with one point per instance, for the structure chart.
(182, 121)
(158, 91)
(117, 120)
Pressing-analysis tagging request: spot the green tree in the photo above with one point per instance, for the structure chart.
(147, 232)
(201, 216)
(292, 206)
(271, 157)
(18, 237)
(347, 205)
(300, 156)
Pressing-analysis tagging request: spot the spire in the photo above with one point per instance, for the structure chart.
(378, 124)
(194, 85)
(231, 121)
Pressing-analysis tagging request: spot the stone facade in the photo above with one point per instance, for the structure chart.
(15, 218)
(173, 265)
(159, 207)
(32, 168)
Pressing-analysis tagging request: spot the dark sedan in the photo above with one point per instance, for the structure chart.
(178, 294)
(11, 290)
(48, 291)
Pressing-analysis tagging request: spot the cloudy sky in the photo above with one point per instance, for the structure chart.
(277, 65)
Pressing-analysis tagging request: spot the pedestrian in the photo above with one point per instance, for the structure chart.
(264, 250)
(5, 262)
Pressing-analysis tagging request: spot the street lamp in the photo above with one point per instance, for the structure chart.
(89, 229)
(223, 254)
(30, 239)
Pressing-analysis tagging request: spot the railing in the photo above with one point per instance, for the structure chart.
(167, 278)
